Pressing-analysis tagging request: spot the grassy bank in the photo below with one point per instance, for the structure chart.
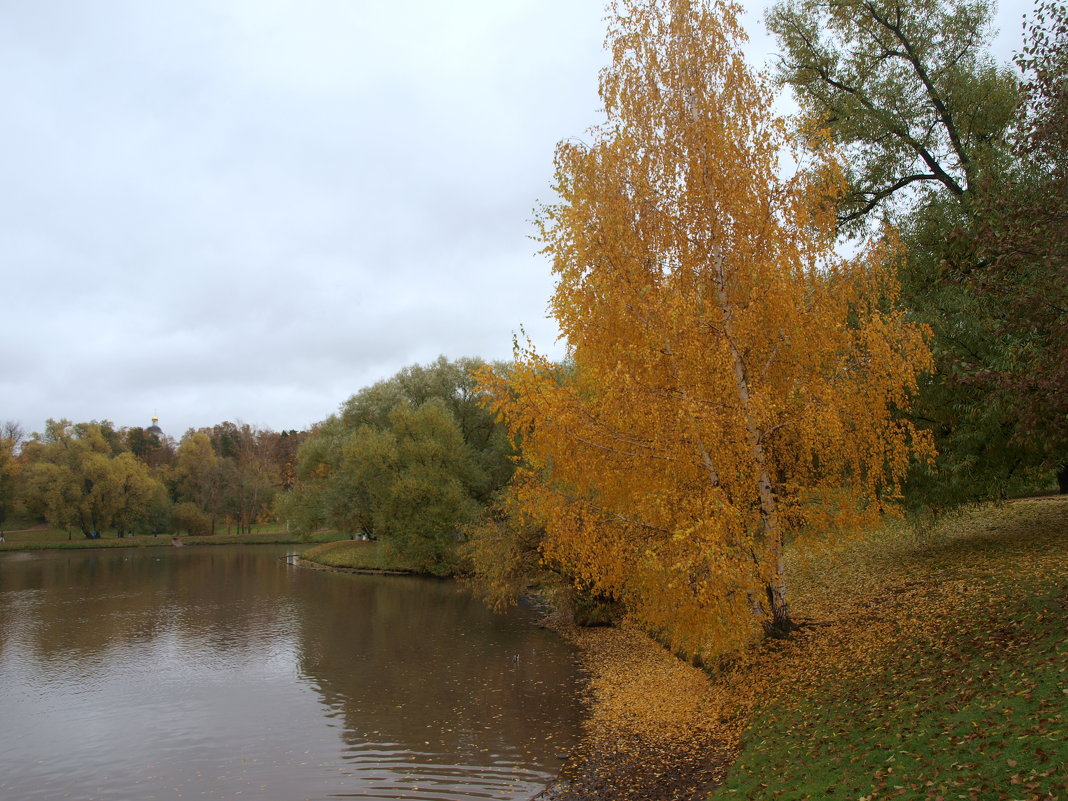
(933, 665)
(939, 668)
(355, 555)
(61, 539)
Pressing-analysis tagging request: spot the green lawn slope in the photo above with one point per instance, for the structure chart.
(356, 555)
(933, 666)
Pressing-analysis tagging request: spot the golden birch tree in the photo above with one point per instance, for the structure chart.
(734, 381)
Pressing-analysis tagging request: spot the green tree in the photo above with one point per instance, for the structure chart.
(198, 475)
(907, 89)
(191, 519)
(58, 480)
(1022, 246)
(141, 502)
(409, 460)
(151, 448)
(11, 469)
(78, 476)
(927, 120)
(430, 495)
(454, 384)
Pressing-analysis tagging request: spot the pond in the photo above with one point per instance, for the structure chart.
(225, 673)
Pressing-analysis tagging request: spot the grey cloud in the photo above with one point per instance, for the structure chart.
(222, 209)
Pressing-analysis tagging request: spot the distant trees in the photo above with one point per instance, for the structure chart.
(232, 471)
(92, 476)
(151, 448)
(11, 473)
(197, 480)
(409, 460)
(137, 500)
(77, 476)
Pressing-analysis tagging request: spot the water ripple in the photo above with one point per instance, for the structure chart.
(224, 674)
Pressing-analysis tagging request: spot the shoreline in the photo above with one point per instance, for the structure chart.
(149, 541)
(359, 571)
(655, 726)
(650, 727)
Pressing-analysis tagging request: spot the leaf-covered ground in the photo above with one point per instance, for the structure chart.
(648, 733)
(933, 665)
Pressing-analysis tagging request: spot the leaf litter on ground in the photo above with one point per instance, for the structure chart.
(932, 664)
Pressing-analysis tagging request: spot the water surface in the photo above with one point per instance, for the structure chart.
(224, 673)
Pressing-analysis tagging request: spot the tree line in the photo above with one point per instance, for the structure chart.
(409, 461)
(92, 477)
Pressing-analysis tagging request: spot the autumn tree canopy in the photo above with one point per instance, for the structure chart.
(78, 476)
(734, 380)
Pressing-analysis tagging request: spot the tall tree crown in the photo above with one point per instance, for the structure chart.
(908, 88)
(733, 378)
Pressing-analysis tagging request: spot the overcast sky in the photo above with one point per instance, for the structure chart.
(248, 209)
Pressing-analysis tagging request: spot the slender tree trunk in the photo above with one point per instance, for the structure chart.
(780, 624)
(1062, 479)
(768, 555)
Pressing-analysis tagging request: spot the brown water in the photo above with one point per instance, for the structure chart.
(224, 673)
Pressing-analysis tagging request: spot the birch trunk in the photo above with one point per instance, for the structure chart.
(768, 554)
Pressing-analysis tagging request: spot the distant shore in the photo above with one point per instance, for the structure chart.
(40, 538)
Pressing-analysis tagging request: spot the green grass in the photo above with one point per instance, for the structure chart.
(266, 537)
(946, 679)
(60, 539)
(355, 555)
(980, 716)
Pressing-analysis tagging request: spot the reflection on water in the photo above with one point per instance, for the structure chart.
(225, 673)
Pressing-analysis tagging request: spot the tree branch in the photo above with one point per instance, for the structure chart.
(921, 72)
(882, 194)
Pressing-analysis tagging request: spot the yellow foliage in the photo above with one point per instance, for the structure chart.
(734, 381)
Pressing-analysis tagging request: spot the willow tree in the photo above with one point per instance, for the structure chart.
(734, 381)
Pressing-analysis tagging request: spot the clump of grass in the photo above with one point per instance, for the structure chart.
(356, 555)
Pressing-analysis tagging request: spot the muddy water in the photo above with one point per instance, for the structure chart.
(224, 673)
